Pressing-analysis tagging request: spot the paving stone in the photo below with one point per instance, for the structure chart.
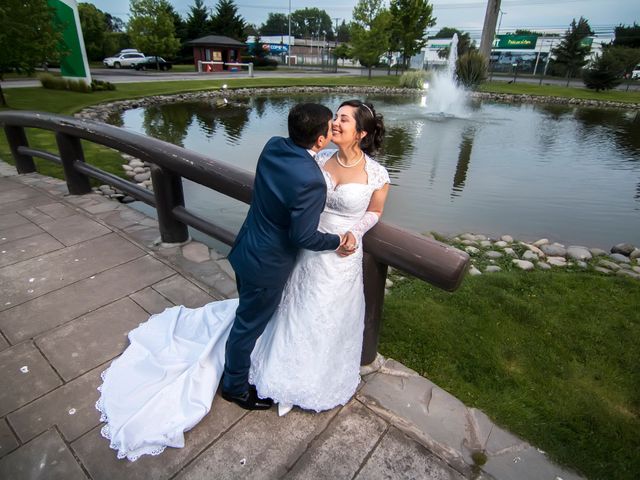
(7, 184)
(260, 446)
(143, 234)
(18, 232)
(527, 464)
(399, 457)
(25, 248)
(74, 229)
(438, 418)
(121, 218)
(70, 407)
(342, 447)
(46, 457)
(63, 267)
(11, 220)
(58, 307)
(16, 194)
(3, 343)
(89, 341)
(102, 463)
(26, 375)
(151, 300)
(56, 210)
(19, 205)
(8, 440)
(104, 206)
(36, 216)
(182, 292)
(196, 252)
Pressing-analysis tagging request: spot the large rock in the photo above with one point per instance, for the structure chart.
(544, 266)
(619, 257)
(506, 238)
(628, 273)
(597, 252)
(609, 265)
(500, 244)
(623, 248)
(606, 271)
(635, 253)
(511, 252)
(529, 255)
(542, 241)
(136, 163)
(473, 271)
(523, 264)
(141, 177)
(579, 253)
(485, 243)
(534, 249)
(492, 269)
(557, 261)
(469, 242)
(471, 250)
(554, 250)
(494, 254)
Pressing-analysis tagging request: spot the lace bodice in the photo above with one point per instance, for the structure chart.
(347, 202)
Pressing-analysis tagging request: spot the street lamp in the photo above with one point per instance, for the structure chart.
(289, 40)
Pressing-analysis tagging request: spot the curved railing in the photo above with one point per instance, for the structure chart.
(385, 245)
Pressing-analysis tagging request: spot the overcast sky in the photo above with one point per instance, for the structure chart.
(466, 15)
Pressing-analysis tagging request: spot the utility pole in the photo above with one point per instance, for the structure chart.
(289, 41)
(336, 38)
(489, 28)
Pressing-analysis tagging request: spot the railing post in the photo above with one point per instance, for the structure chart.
(70, 152)
(251, 69)
(17, 137)
(167, 188)
(375, 277)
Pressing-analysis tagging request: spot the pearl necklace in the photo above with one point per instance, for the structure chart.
(346, 165)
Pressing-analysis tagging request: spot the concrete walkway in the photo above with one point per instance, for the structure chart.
(77, 273)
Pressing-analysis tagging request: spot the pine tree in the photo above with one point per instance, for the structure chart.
(604, 73)
(571, 51)
(226, 21)
(197, 20)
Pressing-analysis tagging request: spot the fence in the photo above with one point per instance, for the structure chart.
(385, 245)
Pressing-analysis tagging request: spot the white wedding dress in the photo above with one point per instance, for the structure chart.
(309, 354)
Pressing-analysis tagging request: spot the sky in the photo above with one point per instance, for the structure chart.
(467, 15)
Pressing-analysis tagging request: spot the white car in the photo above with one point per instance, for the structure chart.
(635, 74)
(121, 60)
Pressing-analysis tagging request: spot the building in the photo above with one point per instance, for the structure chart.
(216, 48)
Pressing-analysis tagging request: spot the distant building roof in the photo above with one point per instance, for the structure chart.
(216, 40)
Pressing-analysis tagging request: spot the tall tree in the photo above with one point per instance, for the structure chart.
(627, 36)
(276, 24)
(342, 32)
(370, 32)
(410, 20)
(114, 24)
(311, 22)
(604, 73)
(571, 51)
(197, 24)
(179, 25)
(627, 57)
(151, 28)
(29, 36)
(227, 21)
(94, 30)
(465, 44)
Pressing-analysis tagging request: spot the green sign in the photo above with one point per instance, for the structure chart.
(586, 42)
(515, 42)
(74, 64)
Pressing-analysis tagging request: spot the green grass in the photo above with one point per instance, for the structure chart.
(632, 96)
(552, 356)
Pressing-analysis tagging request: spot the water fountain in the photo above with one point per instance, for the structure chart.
(443, 96)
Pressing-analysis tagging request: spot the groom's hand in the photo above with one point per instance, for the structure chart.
(348, 245)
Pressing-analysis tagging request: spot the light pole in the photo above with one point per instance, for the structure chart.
(502, 12)
(289, 40)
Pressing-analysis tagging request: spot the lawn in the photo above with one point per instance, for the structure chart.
(632, 96)
(552, 356)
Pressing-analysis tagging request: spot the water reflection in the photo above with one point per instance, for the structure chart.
(464, 158)
(570, 174)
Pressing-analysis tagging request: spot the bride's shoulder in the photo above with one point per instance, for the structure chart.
(377, 173)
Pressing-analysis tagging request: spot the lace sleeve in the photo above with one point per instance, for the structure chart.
(378, 175)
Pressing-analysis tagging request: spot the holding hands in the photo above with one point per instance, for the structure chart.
(348, 245)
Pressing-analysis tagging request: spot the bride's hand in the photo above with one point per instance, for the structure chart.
(348, 245)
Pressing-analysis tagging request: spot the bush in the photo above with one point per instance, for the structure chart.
(413, 79)
(604, 73)
(100, 85)
(471, 69)
(58, 83)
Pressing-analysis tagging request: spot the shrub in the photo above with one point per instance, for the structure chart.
(100, 85)
(58, 83)
(471, 69)
(604, 73)
(413, 79)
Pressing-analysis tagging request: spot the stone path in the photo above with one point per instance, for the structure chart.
(77, 273)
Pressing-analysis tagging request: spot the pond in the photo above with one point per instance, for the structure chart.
(566, 173)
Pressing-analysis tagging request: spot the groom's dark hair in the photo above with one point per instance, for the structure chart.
(307, 121)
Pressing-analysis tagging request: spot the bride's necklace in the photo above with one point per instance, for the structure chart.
(345, 165)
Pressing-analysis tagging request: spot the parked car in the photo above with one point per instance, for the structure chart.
(635, 74)
(121, 60)
(151, 63)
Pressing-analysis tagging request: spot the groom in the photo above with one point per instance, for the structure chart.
(289, 193)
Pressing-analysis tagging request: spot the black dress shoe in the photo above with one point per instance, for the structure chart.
(248, 400)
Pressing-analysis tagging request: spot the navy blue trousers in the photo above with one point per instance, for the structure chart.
(257, 306)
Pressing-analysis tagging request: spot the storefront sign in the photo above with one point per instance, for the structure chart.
(515, 42)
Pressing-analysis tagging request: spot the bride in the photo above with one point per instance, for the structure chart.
(309, 353)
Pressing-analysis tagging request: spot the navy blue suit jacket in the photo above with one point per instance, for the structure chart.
(289, 193)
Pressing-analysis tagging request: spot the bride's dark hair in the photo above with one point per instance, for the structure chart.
(367, 120)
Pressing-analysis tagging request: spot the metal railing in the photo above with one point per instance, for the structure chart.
(229, 64)
(385, 245)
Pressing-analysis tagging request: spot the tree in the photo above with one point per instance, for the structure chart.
(151, 28)
(94, 30)
(410, 20)
(197, 24)
(226, 21)
(276, 24)
(179, 25)
(604, 73)
(370, 32)
(311, 22)
(342, 33)
(114, 24)
(343, 51)
(29, 35)
(465, 45)
(627, 57)
(627, 36)
(571, 51)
